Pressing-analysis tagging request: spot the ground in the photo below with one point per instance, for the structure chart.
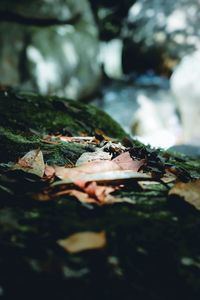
(152, 249)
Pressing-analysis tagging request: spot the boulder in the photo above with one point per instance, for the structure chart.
(51, 47)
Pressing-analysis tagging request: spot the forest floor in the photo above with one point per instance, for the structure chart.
(87, 212)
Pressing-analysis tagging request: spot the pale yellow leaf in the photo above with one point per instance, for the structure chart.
(83, 241)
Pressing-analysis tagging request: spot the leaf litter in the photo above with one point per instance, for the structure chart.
(98, 174)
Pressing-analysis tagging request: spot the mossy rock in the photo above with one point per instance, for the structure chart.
(152, 249)
(26, 118)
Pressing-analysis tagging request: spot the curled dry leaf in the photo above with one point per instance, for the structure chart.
(83, 241)
(90, 193)
(31, 162)
(100, 193)
(104, 153)
(189, 191)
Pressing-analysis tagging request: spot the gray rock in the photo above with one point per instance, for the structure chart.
(48, 59)
(190, 150)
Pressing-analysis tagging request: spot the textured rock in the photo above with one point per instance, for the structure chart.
(51, 47)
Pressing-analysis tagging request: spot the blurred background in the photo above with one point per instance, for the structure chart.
(139, 60)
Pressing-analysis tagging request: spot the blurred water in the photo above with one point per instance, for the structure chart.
(144, 109)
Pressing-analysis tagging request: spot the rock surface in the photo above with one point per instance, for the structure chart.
(152, 244)
(51, 47)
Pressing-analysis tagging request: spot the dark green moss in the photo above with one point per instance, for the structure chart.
(50, 114)
(25, 118)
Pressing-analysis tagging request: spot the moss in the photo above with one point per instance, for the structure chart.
(191, 164)
(46, 114)
(14, 145)
(25, 118)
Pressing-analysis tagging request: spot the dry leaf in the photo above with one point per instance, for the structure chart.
(103, 153)
(31, 162)
(81, 196)
(108, 177)
(189, 191)
(125, 162)
(122, 162)
(100, 193)
(77, 139)
(91, 193)
(87, 168)
(93, 156)
(49, 171)
(83, 241)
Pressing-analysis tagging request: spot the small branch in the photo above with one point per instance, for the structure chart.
(13, 17)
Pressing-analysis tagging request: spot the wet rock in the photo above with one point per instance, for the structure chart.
(51, 47)
(187, 150)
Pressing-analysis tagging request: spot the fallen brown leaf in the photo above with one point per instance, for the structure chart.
(125, 162)
(84, 169)
(100, 193)
(109, 177)
(189, 191)
(83, 241)
(81, 196)
(31, 162)
(121, 162)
